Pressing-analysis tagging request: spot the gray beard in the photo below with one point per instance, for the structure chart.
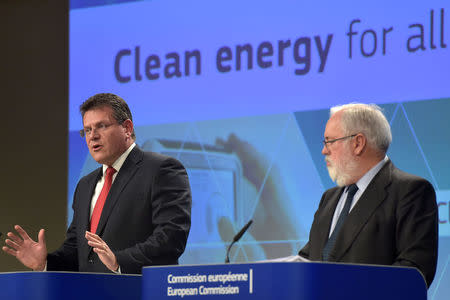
(342, 171)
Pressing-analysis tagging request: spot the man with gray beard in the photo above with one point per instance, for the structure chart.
(377, 214)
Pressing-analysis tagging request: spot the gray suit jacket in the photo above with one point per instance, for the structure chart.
(145, 220)
(395, 222)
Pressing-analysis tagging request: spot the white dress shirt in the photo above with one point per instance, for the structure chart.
(362, 184)
(116, 165)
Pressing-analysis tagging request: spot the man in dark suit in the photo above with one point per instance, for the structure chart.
(134, 211)
(377, 214)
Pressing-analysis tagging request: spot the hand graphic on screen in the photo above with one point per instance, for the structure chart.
(272, 219)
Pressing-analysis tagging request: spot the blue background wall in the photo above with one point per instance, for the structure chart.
(250, 132)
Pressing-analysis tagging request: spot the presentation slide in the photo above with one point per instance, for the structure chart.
(240, 91)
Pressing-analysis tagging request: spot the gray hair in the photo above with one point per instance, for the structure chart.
(367, 119)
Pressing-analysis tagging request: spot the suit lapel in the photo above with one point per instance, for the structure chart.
(370, 200)
(85, 210)
(126, 172)
(327, 217)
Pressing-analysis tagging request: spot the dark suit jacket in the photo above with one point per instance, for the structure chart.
(145, 220)
(395, 222)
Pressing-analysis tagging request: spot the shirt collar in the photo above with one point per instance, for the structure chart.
(119, 162)
(364, 181)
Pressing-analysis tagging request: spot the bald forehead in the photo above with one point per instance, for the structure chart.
(333, 128)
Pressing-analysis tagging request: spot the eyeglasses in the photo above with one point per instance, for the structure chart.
(100, 127)
(326, 143)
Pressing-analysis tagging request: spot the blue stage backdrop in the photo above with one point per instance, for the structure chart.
(239, 92)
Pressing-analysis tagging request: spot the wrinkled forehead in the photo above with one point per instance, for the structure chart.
(98, 115)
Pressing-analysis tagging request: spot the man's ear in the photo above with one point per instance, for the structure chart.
(128, 125)
(359, 143)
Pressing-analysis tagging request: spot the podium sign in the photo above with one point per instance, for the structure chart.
(282, 281)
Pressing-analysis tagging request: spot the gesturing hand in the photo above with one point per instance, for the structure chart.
(30, 253)
(104, 253)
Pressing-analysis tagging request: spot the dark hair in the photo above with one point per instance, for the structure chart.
(121, 111)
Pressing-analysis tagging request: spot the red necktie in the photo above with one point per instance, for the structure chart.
(101, 199)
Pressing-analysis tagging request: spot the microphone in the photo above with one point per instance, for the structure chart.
(236, 238)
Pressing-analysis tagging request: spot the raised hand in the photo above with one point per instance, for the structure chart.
(104, 253)
(30, 253)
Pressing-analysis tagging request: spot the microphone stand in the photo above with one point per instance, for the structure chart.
(236, 238)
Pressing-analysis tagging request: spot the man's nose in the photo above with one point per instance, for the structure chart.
(325, 150)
